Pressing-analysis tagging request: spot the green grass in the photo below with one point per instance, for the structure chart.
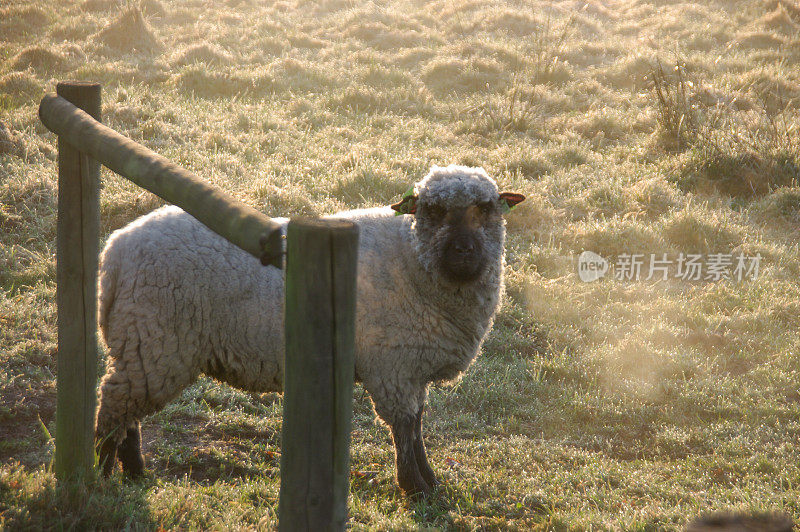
(600, 406)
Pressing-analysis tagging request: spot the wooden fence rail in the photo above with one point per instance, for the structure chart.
(241, 224)
(320, 305)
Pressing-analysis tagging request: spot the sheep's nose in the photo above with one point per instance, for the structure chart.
(464, 246)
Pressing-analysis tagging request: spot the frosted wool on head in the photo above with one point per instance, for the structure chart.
(456, 186)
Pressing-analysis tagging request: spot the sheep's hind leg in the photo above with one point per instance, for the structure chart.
(408, 474)
(129, 451)
(128, 393)
(419, 451)
(111, 417)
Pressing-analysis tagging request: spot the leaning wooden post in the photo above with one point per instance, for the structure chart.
(77, 243)
(321, 258)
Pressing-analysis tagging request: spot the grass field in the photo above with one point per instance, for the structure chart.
(633, 127)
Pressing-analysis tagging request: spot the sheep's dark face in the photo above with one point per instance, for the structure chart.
(465, 240)
(459, 224)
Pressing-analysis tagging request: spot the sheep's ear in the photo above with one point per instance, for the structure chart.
(407, 205)
(509, 200)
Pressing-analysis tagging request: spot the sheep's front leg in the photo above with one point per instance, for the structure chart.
(419, 451)
(408, 474)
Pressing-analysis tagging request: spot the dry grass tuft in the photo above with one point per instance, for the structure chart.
(198, 80)
(38, 58)
(32, 16)
(451, 75)
(676, 115)
(202, 53)
(780, 20)
(21, 87)
(130, 32)
(9, 143)
(95, 6)
(737, 152)
(698, 230)
(782, 205)
(759, 40)
(790, 6)
(152, 8)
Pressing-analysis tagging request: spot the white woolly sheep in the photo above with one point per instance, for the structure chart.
(176, 300)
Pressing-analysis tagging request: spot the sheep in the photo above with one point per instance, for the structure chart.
(176, 300)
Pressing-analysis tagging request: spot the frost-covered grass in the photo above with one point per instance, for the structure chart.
(594, 406)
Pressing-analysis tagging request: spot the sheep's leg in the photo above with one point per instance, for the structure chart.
(107, 454)
(130, 451)
(419, 451)
(128, 392)
(111, 414)
(408, 474)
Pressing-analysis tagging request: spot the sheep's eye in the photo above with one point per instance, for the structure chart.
(486, 207)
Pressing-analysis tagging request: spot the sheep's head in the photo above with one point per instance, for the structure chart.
(458, 221)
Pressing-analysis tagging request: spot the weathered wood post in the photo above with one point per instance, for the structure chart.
(318, 374)
(77, 241)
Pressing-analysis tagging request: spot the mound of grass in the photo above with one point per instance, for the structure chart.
(614, 237)
(130, 32)
(202, 53)
(780, 20)
(205, 83)
(782, 205)
(693, 230)
(655, 196)
(359, 100)
(21, 87)
(445, 76)
(303, 76)
(382, 37)
(629, 72)
(152, 8)
(758, 40)
(519, 24)
(17, 20)
(94, 6)
(9, 143)
(37, 58)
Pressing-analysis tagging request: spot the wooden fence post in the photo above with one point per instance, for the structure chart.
(76, 276)
(318, 374)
